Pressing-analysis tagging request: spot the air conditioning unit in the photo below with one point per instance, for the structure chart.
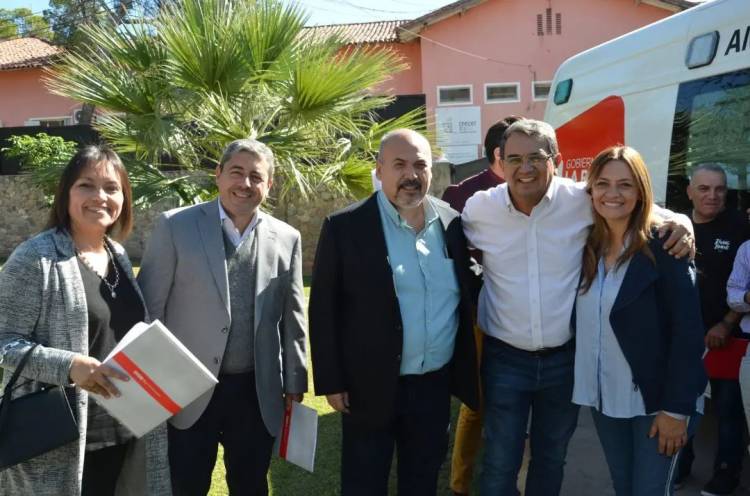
(78, 115)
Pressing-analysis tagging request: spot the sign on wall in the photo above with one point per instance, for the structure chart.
(459, 132)
(460, 154)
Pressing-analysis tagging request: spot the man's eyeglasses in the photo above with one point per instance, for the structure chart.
(536, 159)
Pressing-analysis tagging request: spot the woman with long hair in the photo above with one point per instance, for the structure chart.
(639, 338)
(69, 293)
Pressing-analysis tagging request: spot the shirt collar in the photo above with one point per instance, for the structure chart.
(224, 218)
(430, 214)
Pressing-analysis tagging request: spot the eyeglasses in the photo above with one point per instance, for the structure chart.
(536, 159)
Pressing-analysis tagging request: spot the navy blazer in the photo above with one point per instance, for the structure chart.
(356, 333)
(657, 321)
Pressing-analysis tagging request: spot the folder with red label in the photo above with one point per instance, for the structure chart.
(724, 362)
(164, 378)
(299, 436)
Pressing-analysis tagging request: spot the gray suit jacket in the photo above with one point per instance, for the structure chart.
(184, 281)
(42, 300)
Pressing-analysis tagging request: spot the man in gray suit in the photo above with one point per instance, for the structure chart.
(226, 279)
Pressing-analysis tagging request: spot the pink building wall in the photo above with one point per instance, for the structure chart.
(23, 96)
(506, 31)
(408, 81)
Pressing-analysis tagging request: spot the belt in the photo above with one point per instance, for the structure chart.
(541, 352)
(426, 376)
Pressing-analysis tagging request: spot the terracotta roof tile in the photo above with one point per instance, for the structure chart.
(361, 32)
(22, 53)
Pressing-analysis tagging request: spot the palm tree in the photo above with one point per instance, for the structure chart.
(205, 72)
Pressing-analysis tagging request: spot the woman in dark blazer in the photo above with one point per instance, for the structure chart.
(70, 290)
(639, 339)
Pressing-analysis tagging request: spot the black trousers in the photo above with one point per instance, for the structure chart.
(418, 431)
(233, 419)
(101, 468)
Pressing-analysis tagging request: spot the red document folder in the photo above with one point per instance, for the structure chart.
(724, 363)
(299, 436)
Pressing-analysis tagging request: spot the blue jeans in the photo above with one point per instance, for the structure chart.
(636, 467)
(515, 383)
(726, 401)
(730, 414)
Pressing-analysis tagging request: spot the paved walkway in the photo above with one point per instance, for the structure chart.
(586, 471)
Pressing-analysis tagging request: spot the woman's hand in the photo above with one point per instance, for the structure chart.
(672, 433)
(89, 374)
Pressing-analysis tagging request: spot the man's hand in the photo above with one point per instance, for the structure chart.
(716, 337)
(89, 374)
(289, 397)
(672, 433)
(680, 242)
(339, 401)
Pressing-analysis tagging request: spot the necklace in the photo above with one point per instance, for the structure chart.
(110, 286)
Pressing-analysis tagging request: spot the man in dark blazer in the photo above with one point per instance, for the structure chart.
(391, 324)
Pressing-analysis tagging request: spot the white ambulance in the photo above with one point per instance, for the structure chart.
(677, 90)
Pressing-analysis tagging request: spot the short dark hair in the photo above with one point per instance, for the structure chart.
(59, 216)
(251, 146)
(538, 130)
(709, 167)
(495, 136)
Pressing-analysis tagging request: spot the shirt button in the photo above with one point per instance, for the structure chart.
(224, 330)
(216, 360)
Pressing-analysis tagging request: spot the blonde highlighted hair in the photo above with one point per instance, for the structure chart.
(641, 221)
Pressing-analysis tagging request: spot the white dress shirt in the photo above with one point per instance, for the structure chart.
(532, 263)
(231, 230)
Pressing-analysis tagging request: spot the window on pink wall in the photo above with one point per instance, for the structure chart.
(502, 92)
(455, 95)
(49, 121)
(540, 90)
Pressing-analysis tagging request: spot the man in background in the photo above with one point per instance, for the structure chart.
(718, 234)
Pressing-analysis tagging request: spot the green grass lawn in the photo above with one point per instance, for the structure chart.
(285, 479)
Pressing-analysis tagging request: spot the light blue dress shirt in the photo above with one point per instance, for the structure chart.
(603, 378)
(426, 286)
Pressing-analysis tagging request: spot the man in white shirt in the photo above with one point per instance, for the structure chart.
(531, 231)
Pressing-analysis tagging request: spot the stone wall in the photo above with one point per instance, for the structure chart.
(23, 212)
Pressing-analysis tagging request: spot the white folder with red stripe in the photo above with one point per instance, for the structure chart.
(164, 377)
(299, 436)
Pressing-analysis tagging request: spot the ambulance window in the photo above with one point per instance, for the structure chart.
(711, 126)
(562, 91)
(702, 50)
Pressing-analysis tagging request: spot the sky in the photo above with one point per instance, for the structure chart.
(321, 11)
